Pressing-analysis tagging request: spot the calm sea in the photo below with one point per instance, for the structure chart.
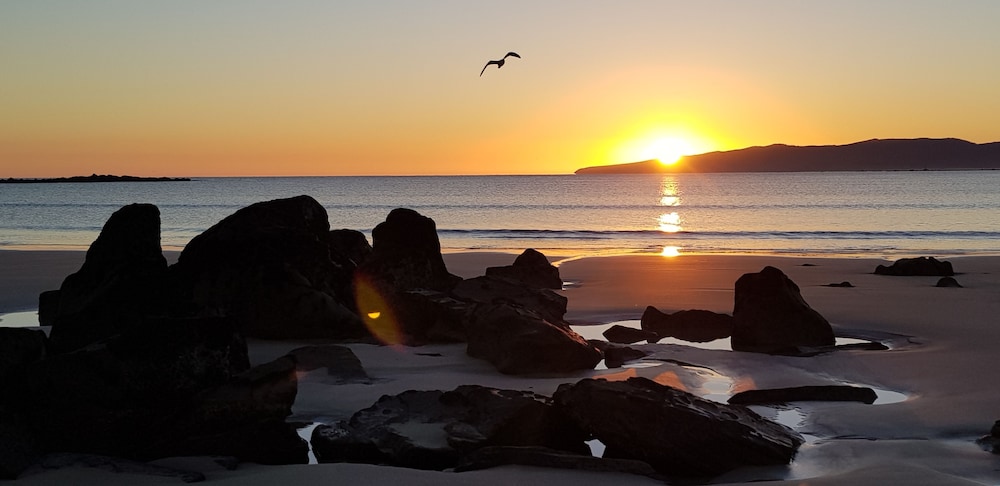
(872, 214)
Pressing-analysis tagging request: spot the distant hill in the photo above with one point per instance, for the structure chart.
(95, 178)
(876, 154)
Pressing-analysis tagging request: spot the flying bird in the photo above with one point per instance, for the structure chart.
(499, 63)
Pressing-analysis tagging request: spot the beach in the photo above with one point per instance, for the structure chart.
(936, 373)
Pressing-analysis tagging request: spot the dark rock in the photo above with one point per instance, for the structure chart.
(413, 317)
(48, 307)
(340, 362)
(19, 347)
(517, 340)
(531, 268)
(495, 456)
(407, 254)
(122, 279)
(616, 356)
(922, 266)
(770, 315)
(844, 284)
(826, 393)
(434, 429)
(991, 442)
(489, 290)
(628, 335)
(697, 326)
(948, 282)
(350, 245)
(19, 447)
(269, 266)
(163, 387)
(677, 433)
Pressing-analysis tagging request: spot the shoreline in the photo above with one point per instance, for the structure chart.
(926, 438)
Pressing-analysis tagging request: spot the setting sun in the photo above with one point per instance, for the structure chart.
(668, 150)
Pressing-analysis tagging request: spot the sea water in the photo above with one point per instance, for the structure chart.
(872, 214)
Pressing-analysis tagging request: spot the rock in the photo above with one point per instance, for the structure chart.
(697, 326)
(122, 279)
(407, 254)
(434, 429)
(770, 315)
(616, 356)
(922, 266)
(19, 447)
(827, 393)
(162, 388)
(531, 268)
(628, 335)
(340, 362)
(48, 307)
(414, 317)
(495, 456)
(489, 290)
(844, 284)
(948, 282)
(20, 347)
(350, 245)
(991, 442)
(517, 341)
(677, 433)
(269, 266)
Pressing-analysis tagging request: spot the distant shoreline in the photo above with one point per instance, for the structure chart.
(93, 178)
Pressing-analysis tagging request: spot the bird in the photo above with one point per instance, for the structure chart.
(499, 63)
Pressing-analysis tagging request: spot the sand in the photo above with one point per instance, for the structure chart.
(936, 381)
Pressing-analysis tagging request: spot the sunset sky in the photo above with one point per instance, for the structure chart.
(248, 87)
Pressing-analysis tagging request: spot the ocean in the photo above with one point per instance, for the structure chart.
(870, 214)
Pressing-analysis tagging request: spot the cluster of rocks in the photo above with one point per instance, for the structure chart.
(146, 359)
(769, 316)
(654, 430)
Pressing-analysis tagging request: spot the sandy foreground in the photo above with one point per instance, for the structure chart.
(936, 385)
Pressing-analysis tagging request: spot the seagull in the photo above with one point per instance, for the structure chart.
(499, 63)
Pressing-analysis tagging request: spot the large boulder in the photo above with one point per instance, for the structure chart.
(688, 325)
(269, 265)
(770, 315)
(531, 268)
(406, 254)
(20, 347)
(435, 429)
(122, 279)
(677, 433)
(813, 393)
(519, 341)
(922, 266)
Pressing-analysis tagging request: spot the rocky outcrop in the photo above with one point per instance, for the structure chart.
(20, 347)
(948, 282)
(160, 388)
(922, 266)
(517, 340)
(991, 441)
(770, 315)
(531, 268)
(407, 254)
(628, 335)
(821, 393)
(122, 279)
(269, 266)
(435, 429)
(677, 433)
(697, 326)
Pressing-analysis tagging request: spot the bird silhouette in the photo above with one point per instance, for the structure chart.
(500, 62)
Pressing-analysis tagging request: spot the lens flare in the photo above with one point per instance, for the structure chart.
(375, 312)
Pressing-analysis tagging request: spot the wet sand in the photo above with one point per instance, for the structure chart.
(940, 366)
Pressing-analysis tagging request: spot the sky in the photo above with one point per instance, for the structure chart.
(309, 87)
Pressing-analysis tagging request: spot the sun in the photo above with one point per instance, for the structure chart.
(668, 150)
